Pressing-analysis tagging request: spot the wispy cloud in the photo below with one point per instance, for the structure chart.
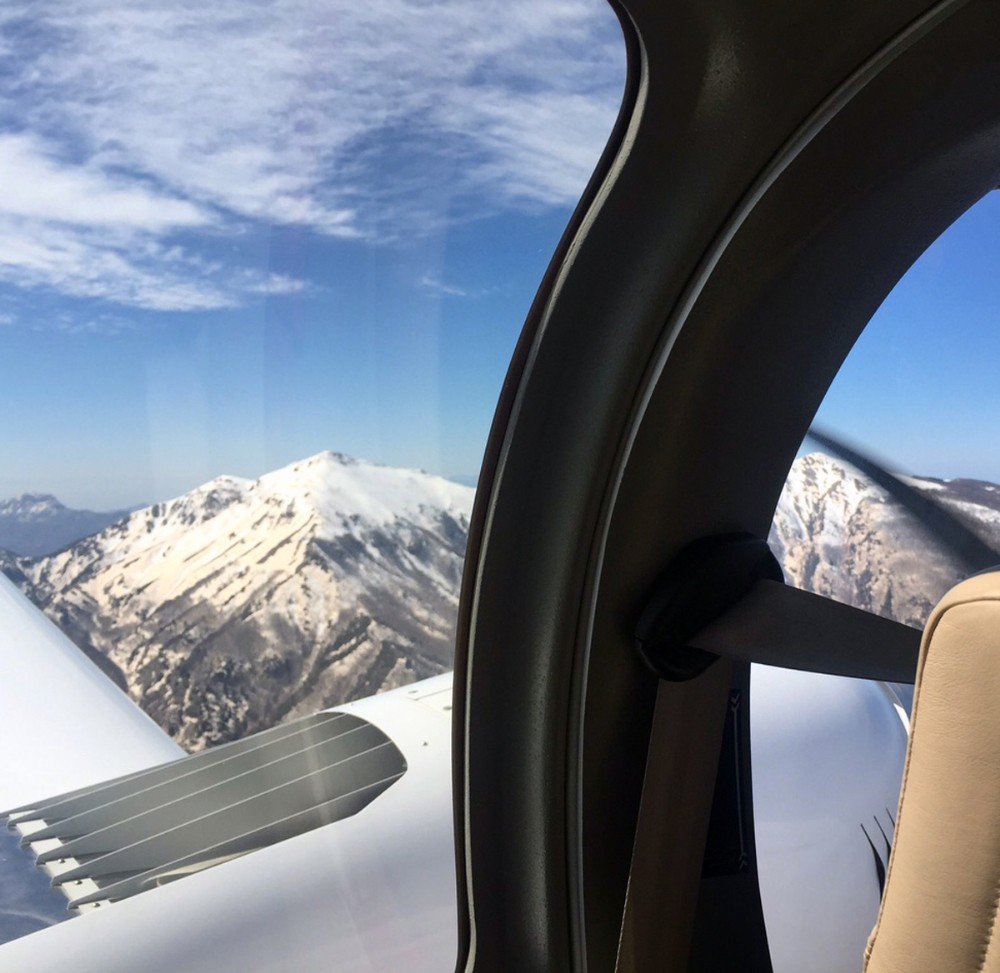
(38, 186)
(274, 284)
(83, 262)
(126, 126)
(434, 285)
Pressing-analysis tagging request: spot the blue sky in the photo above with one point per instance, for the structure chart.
(235, 234)
(921, 388)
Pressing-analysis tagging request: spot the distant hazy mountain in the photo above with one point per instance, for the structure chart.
(245, 602)
(37, 523)
(838, 534)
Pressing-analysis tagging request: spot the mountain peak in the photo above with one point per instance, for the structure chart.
(341, 490)
(325, 580)
(326, 457)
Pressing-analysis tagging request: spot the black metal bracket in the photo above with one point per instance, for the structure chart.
(702, 583)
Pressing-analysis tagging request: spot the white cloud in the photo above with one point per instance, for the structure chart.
(276, 284)
(125, 270)
(79, 230)
(126, 122)
(436, 286)
(87, 233)
(38, 186)
(542, 127)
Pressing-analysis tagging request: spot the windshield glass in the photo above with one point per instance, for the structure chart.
(255, 260)
(915, 395)
(262, 267)
(912, 403)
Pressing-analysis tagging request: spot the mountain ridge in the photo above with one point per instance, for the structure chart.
(36, 524)
(246, 601)
(838, 534)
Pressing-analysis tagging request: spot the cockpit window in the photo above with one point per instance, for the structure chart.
(261, 270)
(916, 393)
(915, 399)
(262, 267)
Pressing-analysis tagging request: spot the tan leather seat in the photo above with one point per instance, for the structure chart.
(939, 911)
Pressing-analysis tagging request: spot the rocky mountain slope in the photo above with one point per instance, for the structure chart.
(246, 602)
(37, 523)
(838, 534)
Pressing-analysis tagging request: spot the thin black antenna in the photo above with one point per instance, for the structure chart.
(941, 523)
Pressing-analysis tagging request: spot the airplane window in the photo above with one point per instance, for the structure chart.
(262, 268)
(918, 396)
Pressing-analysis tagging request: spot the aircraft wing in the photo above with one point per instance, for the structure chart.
(64, 724)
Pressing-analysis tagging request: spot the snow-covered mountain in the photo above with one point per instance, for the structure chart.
(37, 523)
(245, 602)
(840, 535)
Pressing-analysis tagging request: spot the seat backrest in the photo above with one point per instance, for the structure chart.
(939, 910)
